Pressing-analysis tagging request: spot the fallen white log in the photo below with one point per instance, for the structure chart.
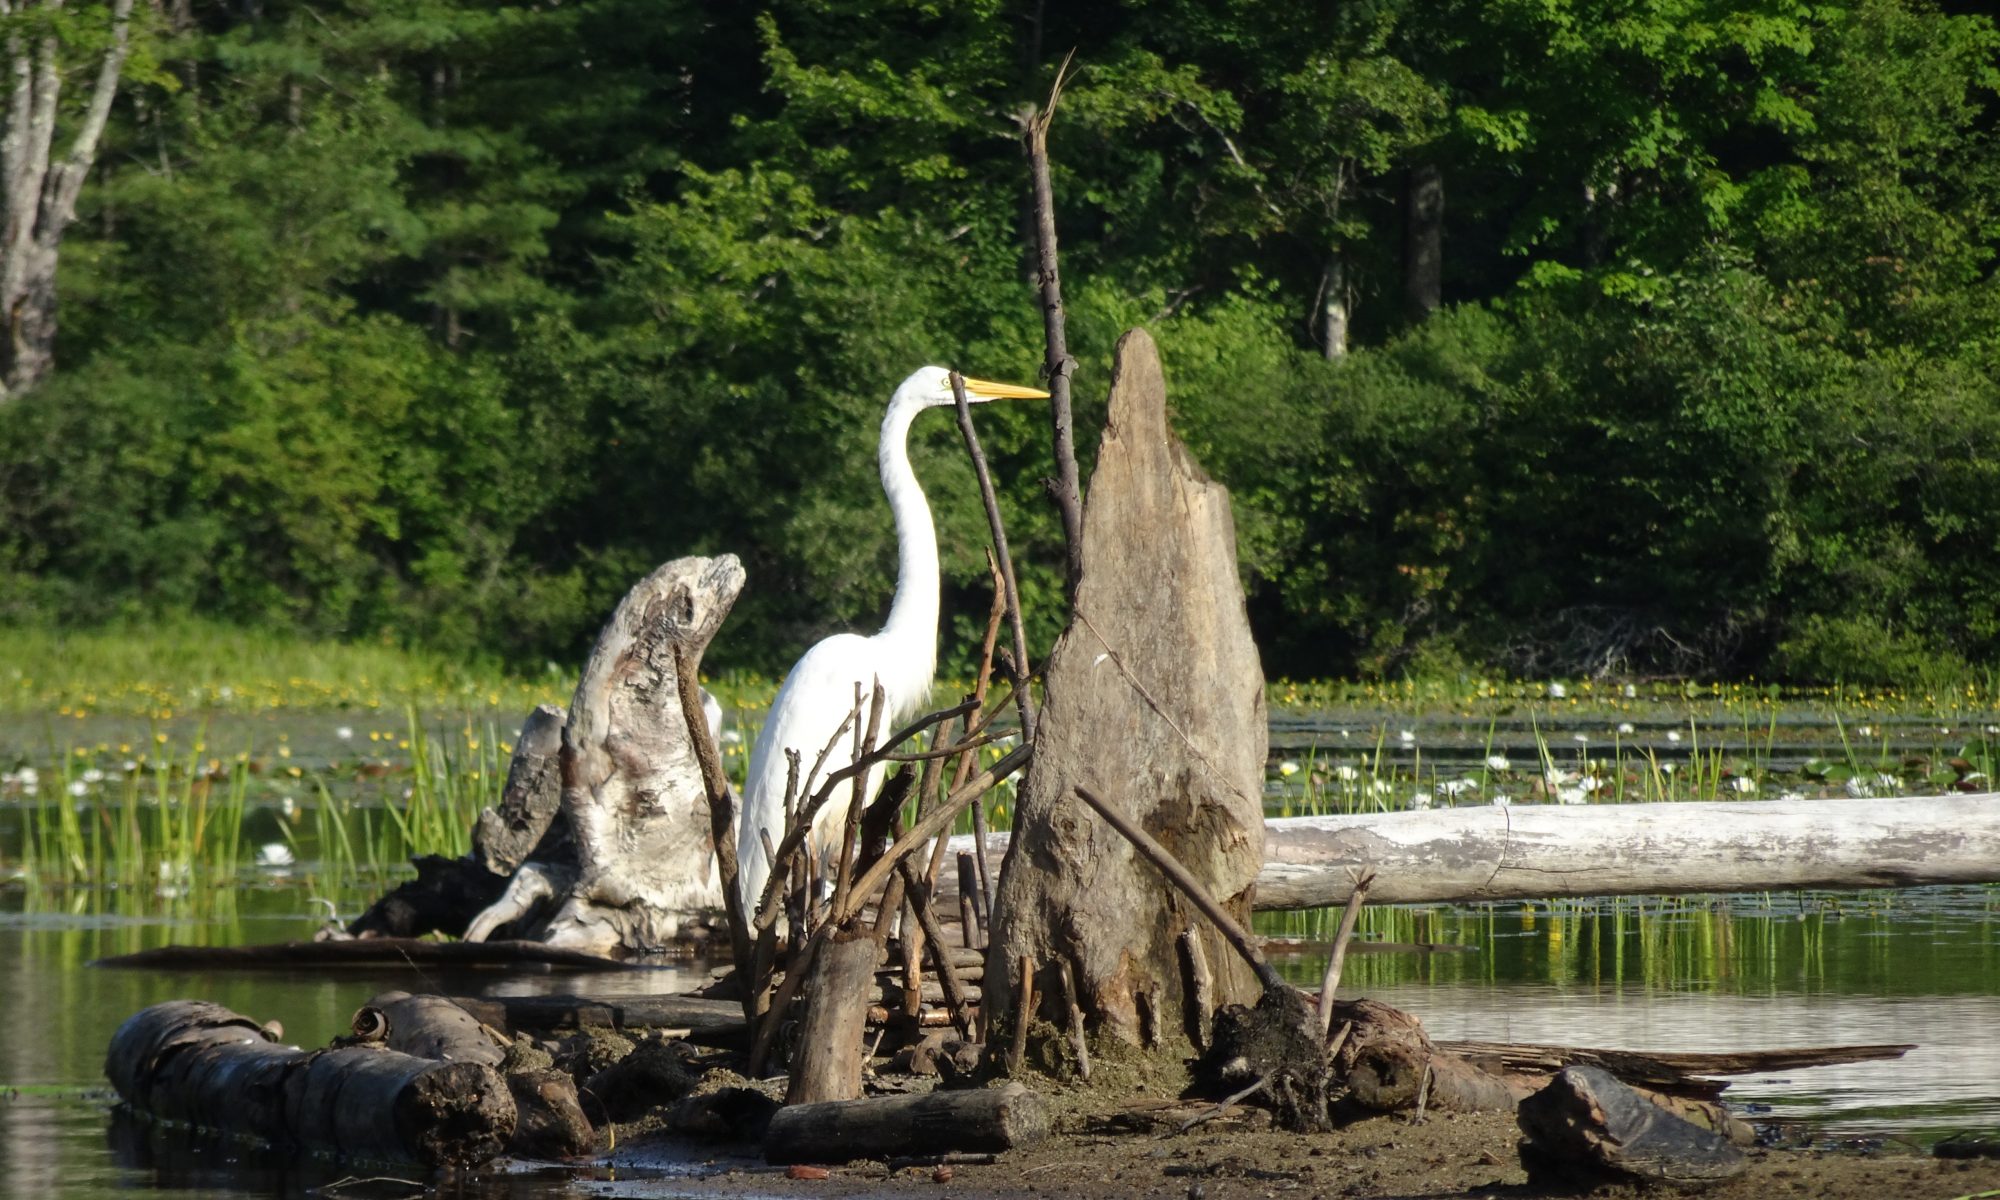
(1545, 851)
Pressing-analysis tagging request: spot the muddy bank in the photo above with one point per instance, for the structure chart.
(1128, 1148)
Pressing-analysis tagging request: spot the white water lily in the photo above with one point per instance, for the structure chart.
(732, 737)
(1625, 727)
(1742, 784)
(1498, 762)
(1501, 802)
(1557, 691)
(1582, 739)
(1571, 796)
(345, 733)
(1673, 735)
(1857, 788)
(1589, 783)
(1420, 801)
(1407, 736)
(1631, 691)
(1454, 788)
(93, 775)
(1288, 768)
(1345, 773)
(79, 788)
(274, 854)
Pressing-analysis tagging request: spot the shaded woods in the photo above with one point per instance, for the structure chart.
(1560, 338)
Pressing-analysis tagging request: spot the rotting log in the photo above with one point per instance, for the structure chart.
(1532, 852)
(203, 1065)
(427, 1027)
(986, 1120)
(527, 820)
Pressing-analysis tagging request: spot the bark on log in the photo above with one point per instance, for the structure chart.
(1545, 851)
(695, 1019)
(428, 1027)
(632, 790)
(1586, 1125)
(201, 1064)
(978, 1121)
(1155, 700)
(839, 989)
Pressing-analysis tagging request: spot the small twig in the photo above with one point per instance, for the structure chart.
(998, 529)
(1066, 489)
(1225, 1106)
(954, 990)
(1074, 1003)
(1164, 862)
(968, 904)
(721, 814)
(857, 804)
(1423, 1096)
(1024, 1011)
(1330, 982)
(1339, 1039)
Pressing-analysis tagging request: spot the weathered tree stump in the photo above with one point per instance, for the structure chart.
(1156, 703)
(527, 821)
(632, 793)
(840, 986)
(979, 1121)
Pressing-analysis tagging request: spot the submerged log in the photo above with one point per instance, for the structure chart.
(204, 1065)
(368, 953)
(427, 1027)
(1546, 851)
(976, 1121)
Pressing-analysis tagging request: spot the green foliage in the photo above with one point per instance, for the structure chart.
(444, 320)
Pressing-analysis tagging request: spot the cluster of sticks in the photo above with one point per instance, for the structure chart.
(875, 849)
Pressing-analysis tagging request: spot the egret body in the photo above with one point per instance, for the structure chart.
(818, 693)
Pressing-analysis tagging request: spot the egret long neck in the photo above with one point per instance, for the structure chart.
(913, 616)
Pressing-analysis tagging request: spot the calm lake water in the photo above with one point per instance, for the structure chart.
(1680, 974)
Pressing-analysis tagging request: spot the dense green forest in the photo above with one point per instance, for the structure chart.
(1548, 336)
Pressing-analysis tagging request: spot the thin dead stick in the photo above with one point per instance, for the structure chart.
(940, 950)
(998, 530)
(1330, 982)
(1024, 1011)
(968, 902)
(1201, 987)
(1065, 489)
(781, 1000)
(929, 826)
(979, 686)
(721, 814)
(1167, 865)
(1225, 1106)
(1074, 1003)
(1339, 1039)
(857, 804)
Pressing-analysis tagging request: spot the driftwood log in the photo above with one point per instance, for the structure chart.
(203, 1065)
(1155, 700)
(632, 793)
(1586, 1126)
(984, 1120)
(1548, 851)
(365, 954)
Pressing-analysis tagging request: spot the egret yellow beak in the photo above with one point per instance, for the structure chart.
(1002, 391)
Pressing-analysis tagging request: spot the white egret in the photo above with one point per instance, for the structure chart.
(818, 694)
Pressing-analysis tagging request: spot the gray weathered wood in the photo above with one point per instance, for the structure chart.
(508, 833)
(985, 1120)
(1155, 701)
(632, 790)
(1542, 851)
(1530, 852)
(840, 985)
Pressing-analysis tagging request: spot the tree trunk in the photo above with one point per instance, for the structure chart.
(1333, 310)
(38, 193)
(1156, 703)
(1423, 241)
